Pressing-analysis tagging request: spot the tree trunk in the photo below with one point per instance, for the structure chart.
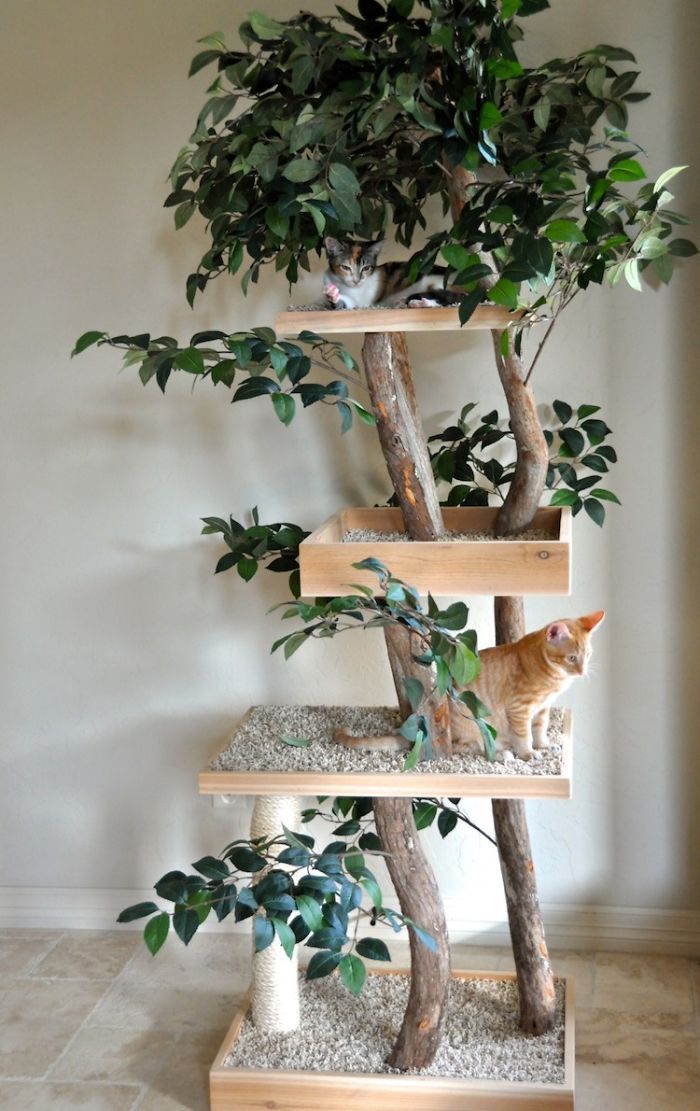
(406, 453)
(534, 971)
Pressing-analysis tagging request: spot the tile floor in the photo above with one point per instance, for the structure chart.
(91, 1020)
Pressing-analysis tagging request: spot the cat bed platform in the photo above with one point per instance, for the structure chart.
(485, 1063)
(473, 562)
(328, 322)
(259, 761)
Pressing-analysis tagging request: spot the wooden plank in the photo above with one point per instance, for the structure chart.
(249, 1089)
(393, 785)
(346, 321)
(446, 567)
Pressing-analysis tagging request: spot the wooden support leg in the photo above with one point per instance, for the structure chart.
(275, 998)
(406, 454)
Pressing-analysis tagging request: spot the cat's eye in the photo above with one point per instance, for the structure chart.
(346, 268)
(572, 659)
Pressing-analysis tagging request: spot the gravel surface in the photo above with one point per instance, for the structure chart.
(375, 536)
(255, 745)
(354, 1034)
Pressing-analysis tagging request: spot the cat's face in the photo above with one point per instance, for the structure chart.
(568, 642)
(352, 263)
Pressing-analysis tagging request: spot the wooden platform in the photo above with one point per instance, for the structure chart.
(446, 567)
(250, 1089)
(394, 784)
(328, 322)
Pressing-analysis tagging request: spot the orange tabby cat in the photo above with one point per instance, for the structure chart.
(518, 682)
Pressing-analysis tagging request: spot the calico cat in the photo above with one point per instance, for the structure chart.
(354, 280)
(518, 682)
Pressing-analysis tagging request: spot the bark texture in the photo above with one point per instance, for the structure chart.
(405, 451)
(534, 971)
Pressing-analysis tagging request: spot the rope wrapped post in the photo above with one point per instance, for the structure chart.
(275, 984)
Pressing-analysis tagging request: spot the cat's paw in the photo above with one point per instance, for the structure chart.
(332, 296)
(505, 756)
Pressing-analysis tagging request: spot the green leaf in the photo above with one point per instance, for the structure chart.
(574, 441)
(295, 742)
(447, 820)
(156, 931)
(564, 411)
(190, 360)
(86, 340)
(245, 860)
(457, 256)
(542, 112)
(138, 910)
(504, 292)
(264, 27)
(185, 922)
(285, 935)
(263, 933)
(373, 948)
(285, 407)
(322, 964)
(247, 568)
(212, 868)
(489, 116)
(301, 169)
(628, 169)
(424, 814)
(414, 691)
(183, 212)
(683, 248)
(664, 178)
(564, 497)
(310, 911)
(607, 495)
(352, 973)
(564, 231)
(203, 59)
(469, 303)
(294, 642)
(595, 510)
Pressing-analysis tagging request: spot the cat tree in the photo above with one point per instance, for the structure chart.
(455, 98)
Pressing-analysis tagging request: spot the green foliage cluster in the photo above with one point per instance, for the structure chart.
(275, 546)
(265, 365)
(297, 892)
(447, 648)
(579, 457)
(350, 123)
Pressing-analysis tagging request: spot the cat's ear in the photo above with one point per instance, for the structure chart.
(371, 251)
(590, 621)
(333, 247)
(557, 632)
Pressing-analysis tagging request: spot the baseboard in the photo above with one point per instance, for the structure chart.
(634, 929)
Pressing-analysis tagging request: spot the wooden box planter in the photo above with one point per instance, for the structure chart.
(274, 772)
(251, 1089)
(445, 567)
(328, 322)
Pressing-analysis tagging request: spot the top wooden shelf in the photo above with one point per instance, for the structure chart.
(344, 321)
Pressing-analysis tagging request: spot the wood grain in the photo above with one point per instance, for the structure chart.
(249, 1089)
(447, 568)
(397, 785)
(327, 322)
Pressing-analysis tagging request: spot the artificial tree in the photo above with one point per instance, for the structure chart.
(346, 125)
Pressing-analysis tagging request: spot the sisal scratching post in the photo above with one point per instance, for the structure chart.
(275, 995)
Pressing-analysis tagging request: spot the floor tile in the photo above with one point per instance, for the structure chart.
(184, 1077)
(620, 1037)
(643, 1086)
(135, 1005)
(26, 1096)
(18, 954)
(88, 958)
(39, 1017)
(116, 1055)
(642, 984)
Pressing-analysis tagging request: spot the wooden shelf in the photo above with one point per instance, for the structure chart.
(328, 322)
(269, 780)
(445, 567)
(251, 1089)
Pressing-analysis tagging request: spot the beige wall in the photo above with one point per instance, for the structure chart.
(124, 660)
